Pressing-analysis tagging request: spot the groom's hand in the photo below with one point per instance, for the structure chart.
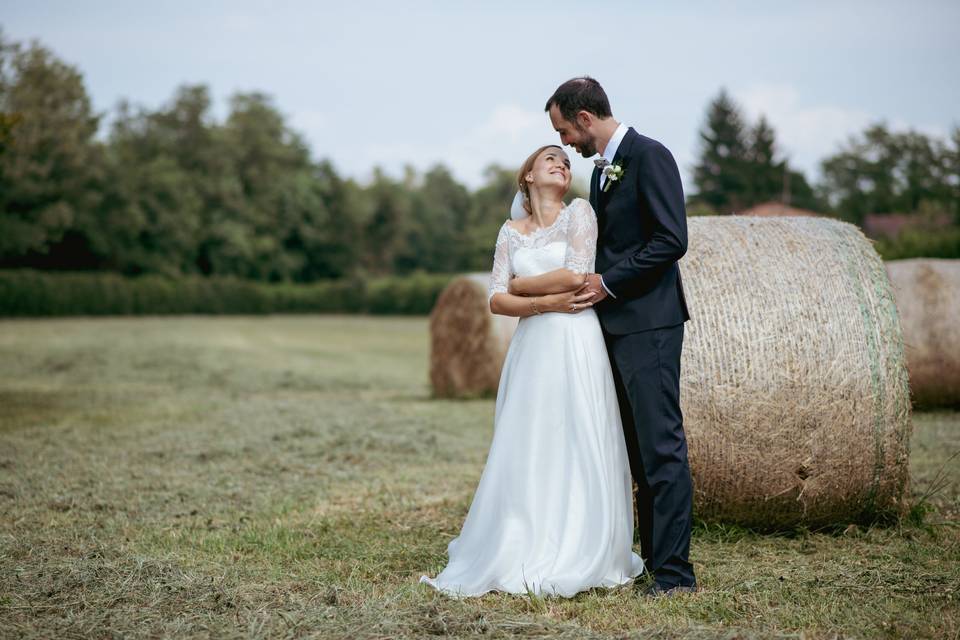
(594, 286)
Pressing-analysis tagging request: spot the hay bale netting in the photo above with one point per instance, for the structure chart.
(928, 298)
(467, 343)
(793, 378)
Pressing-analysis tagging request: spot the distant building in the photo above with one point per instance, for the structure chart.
(886, 225)
(891, 225)
(775, 210)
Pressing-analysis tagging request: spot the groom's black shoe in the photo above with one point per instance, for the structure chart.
(655, 590)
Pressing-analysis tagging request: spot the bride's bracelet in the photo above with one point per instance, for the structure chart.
(533, 305)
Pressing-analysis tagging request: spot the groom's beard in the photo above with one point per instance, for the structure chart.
(587, 147)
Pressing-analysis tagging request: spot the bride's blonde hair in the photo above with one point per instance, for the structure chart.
(526, 168)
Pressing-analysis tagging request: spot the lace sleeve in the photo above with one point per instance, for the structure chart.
(581, 238)
(500, 274)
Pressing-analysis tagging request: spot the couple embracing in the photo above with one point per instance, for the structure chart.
(589, 395)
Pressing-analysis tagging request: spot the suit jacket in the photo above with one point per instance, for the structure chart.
(642, 232)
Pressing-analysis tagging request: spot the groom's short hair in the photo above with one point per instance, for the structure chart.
(580, 94)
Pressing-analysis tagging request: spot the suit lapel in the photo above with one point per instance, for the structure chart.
(626, 145)
(594, 190)
(623, 151)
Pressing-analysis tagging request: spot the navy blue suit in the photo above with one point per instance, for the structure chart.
(642, 234)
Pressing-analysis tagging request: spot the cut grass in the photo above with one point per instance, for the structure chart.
(291, 477)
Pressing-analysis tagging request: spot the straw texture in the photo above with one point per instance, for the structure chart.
(467, 343)
(928, 297)
(793, 379)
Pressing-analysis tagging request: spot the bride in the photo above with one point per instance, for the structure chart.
(553, 512)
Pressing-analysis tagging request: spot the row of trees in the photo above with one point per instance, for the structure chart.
(879, 171)
(175, 191)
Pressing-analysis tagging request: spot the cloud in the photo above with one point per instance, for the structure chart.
(505, 136)
(511, 121)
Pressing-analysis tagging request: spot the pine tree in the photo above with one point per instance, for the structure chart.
(720, 175)
(767, 178)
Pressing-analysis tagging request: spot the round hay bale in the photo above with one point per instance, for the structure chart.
(467, 343)
(928, 298)
(793, 378)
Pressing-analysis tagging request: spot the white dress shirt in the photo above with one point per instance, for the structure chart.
(609, 153)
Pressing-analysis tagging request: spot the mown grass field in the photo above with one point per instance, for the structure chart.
(291, 477)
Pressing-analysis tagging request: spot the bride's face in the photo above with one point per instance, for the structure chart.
(551, 169)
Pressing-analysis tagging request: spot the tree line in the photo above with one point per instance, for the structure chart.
(174, 191)
(876, 172)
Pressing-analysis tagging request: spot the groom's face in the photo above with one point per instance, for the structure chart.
(573, 134)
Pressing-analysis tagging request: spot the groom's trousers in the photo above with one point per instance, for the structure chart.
(646, 372)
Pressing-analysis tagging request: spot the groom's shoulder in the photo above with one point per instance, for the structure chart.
(644, 143)
(646, 149)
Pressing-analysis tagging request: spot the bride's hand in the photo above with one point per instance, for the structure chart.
(569, 302)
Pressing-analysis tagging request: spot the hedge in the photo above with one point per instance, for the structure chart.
(942, 243)
(38, 293)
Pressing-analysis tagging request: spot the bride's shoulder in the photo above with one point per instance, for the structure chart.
(509, 224)
(582, 207)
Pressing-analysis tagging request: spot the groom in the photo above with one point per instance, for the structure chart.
(636, 193)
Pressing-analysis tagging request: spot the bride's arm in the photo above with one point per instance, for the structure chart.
(578, 260)
(556, 281)
(504, 302)
(507, 304)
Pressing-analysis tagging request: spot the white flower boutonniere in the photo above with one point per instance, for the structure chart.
(613, 173)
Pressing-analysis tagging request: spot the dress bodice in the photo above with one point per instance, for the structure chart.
(532, 261)
(570, 242)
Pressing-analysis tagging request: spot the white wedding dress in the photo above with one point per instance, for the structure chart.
(552, 514)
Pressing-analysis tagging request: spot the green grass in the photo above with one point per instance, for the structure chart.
(291, 477)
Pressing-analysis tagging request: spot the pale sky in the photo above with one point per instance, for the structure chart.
(392, 83)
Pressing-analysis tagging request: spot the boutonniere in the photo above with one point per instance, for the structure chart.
(613, 173)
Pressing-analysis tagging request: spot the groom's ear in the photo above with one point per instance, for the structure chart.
(584, 119)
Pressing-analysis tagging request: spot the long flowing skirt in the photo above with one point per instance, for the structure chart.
(552, 514)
